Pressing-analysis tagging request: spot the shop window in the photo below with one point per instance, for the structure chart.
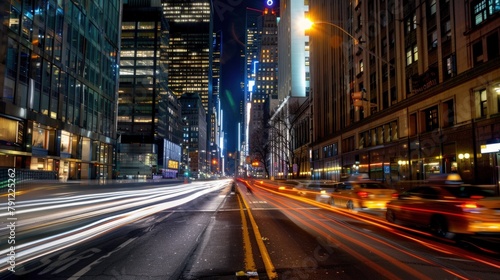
(39, 138)
(9, 131)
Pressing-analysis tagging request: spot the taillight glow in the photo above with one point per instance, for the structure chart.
(362, 194)
(395, 195)
(469, 205)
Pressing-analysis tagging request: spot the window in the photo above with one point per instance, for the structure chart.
(483, 9)
(432, 7)
(448, 113)
(361, 66)
(477, 53)
(446, 30)
(411, 55)
(449, 67)
(431, 119)
(492, 46)
(411, 23)
(412, 125)
(409, 59)
(481, 103)
(432, 39)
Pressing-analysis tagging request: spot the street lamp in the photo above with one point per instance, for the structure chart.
(308, 24)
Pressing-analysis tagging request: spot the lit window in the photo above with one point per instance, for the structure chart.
(432, 7)
(482, 103)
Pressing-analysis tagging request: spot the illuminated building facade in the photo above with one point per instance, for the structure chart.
(265, 92)
(414, 95)
(148, 114)
(191, 55)
(194, 131)
(58, 87)
(293, 93)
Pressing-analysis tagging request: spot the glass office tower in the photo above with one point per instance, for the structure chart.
(58, 86)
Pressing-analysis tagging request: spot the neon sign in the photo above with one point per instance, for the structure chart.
(270, 2)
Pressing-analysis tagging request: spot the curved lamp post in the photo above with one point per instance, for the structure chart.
(308, 24)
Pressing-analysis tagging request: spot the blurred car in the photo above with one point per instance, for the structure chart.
(363, 194)
(318, 190)
(447, 209)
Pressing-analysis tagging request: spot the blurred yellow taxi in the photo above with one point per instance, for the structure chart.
(448, 209)
(362, 194)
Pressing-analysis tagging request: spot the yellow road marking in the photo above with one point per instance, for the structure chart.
(271, 271)
(249, 261)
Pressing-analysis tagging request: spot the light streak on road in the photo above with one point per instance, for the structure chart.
(350, 237)
(121, 208)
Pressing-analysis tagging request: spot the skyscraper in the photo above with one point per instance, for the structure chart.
(58, 87)
(148, 114)
(191, 55)
(264, 95)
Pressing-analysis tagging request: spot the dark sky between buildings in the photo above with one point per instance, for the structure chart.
(229, 16)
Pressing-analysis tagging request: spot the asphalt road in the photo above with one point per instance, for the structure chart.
(217, 231)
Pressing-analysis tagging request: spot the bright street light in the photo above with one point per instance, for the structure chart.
(308, 24)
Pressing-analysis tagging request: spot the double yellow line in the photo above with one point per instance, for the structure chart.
(249, 260)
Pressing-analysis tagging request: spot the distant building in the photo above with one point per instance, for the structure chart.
(194, 129)
(58, 87)
(264, 94)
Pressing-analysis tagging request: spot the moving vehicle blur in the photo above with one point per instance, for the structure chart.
(362, 194)
(317, 190)
(447, 209)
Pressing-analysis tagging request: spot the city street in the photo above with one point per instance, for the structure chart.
(215, 230)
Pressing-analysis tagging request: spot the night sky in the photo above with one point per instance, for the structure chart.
(229, 16)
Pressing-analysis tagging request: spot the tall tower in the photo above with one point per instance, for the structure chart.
(264, 95)
(190, 53)
(148, 114)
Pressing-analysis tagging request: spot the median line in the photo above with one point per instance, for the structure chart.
(247, 245)
(271, 271)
